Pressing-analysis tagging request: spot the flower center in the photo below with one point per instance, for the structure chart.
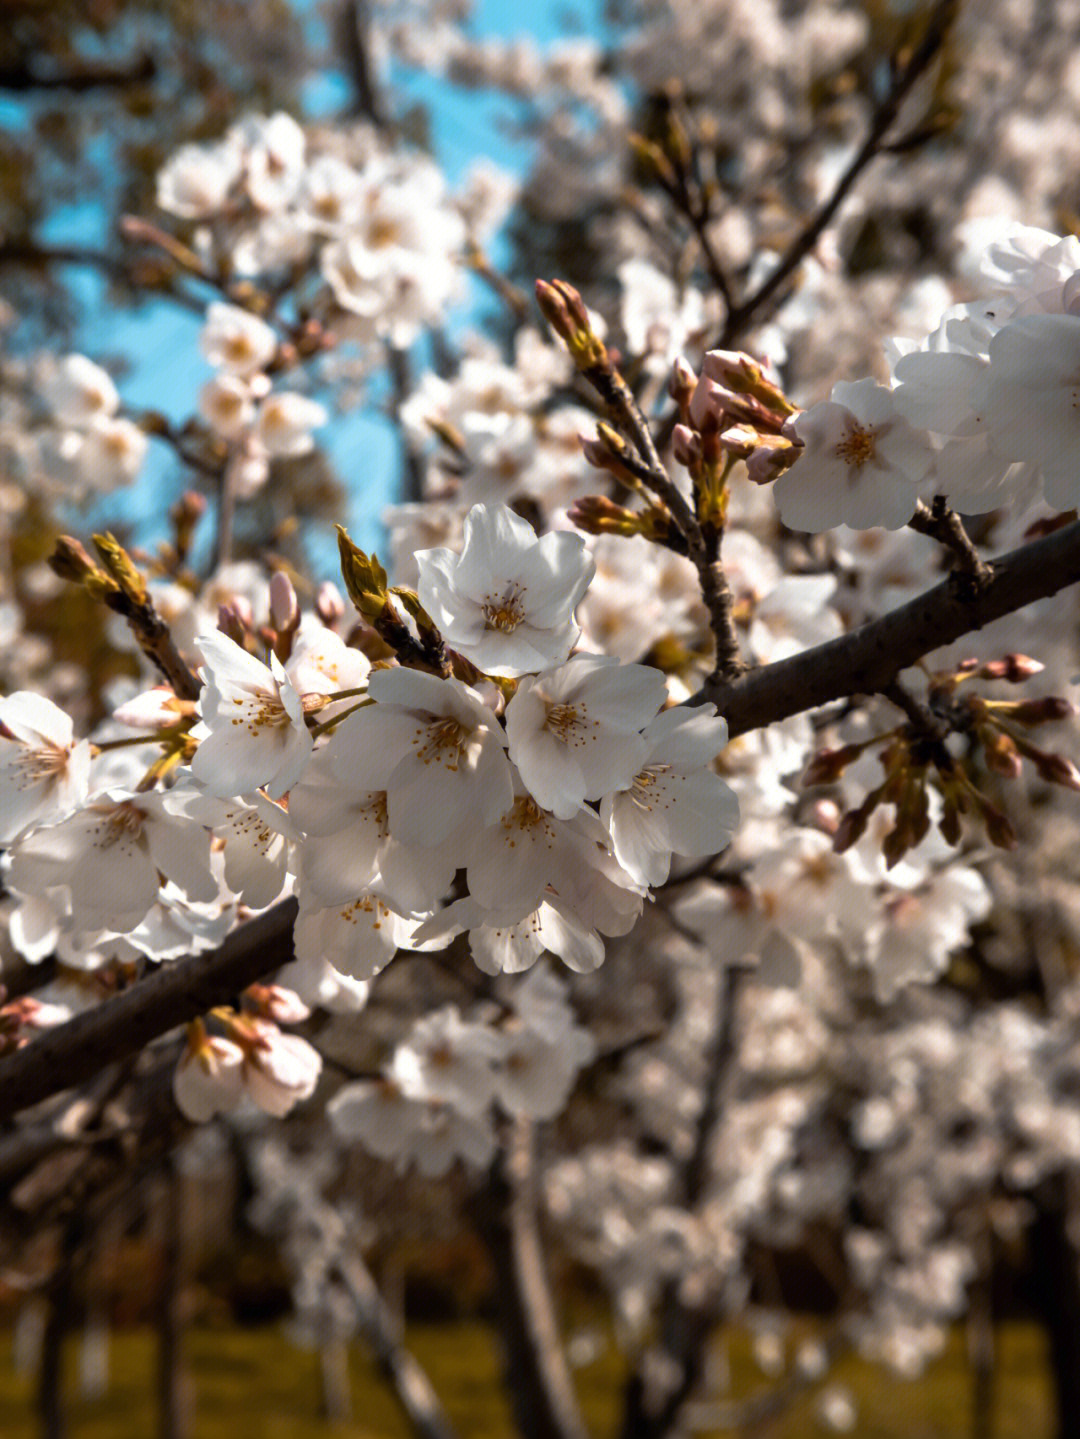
(33, 766)
(120, 825)
(506, 612)
(526, 814)
(642, 791)
(262, 709)
(858, 448)
(563, 721)
(441, 742)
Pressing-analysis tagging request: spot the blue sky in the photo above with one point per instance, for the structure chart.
(159, 340)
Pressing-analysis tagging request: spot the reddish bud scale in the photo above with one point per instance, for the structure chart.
(1013, 668)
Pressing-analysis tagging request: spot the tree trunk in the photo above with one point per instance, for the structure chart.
(1056, 1271)
(538, 1381)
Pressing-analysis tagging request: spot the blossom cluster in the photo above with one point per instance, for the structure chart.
(376, 222)
(439, 1096)
(982, 412)
(533, 807)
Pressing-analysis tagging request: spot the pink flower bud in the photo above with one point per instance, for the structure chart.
(284, 610)
(152, 710)
(686, 445)
(329, 605)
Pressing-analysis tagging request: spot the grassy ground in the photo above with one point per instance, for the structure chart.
(254, 1384)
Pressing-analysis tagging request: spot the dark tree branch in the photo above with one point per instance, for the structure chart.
(32, 255)
(867, 660)
(355, 25)
(23, 75)
(175, 993)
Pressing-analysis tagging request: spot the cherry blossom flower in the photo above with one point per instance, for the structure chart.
(44, 770)
(449, 1059)
(80, 392)
(675, 802)
(392, 1125)
(322, 663)
(236, 341)
(574, 731)
(108, 856)
(861, 464)
(511, 863)
(195, 182)
(279, 1069)
(358, 939)
(209, 1078)
(1032, 400)
(441, 752)
(227, 404)
(255, 721)
(507, 601)
(256, 834)
(284, 421)
(538, 1073)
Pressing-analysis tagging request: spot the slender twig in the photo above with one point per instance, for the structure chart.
(226, 515)
(515, 299)
(702, 549)
(157, 644)
(944, 525)
(885, 114)
(694, 202)
(401, 376)
(922, 718)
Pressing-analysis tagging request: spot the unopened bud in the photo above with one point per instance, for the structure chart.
(1056, 769)
(1001, 753)
(274, 1001)
(851, 829)
(71, 562)
(597, 515)
(742, 374)
(284, 610)
(769, 461)
(365, 578)
(998, 829)
(828, 765)
(329, 605)
(686, 445)
(1040, 711)
(567, 314)
(231, 625)
(681, 384)
(120, 567)
(1013, 668)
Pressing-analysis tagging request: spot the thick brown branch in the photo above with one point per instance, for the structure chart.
(867, 660)
(75, 1051)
